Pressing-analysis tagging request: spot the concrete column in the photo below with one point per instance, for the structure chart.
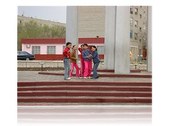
(122, 45)
(109, 44)
(149, 40)
(72, 25)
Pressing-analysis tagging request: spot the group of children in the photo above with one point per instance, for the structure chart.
(88, 54)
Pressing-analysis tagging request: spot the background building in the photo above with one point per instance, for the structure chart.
(91, 21)
(23, 19)
(138, 31)
(29, 27)
(91, 24)
(52, 49)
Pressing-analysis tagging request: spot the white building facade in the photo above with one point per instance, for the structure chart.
(124, 32)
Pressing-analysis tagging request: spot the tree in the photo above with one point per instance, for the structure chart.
(32, 29)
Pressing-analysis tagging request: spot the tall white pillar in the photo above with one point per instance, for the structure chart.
(122, 45)
(72, 25)
(109, 44)
(149, 42)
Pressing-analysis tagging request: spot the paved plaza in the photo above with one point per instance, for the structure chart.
(34, 76)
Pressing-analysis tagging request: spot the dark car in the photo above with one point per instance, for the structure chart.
(23, 55)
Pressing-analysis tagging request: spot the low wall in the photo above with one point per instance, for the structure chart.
(55, 56)
(59, 64)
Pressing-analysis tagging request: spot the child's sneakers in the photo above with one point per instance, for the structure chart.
(96, 77)
(68, 78)
(87, 77)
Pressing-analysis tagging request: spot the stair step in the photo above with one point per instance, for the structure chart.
(106, 75)
(70, 83)
(132, 71)
(86, 93)
(84, 109)
(85, 100)
(83, 88)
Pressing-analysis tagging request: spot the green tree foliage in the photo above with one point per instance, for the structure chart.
(32, 29)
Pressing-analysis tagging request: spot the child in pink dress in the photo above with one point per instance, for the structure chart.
(87, 61)
(81, 61)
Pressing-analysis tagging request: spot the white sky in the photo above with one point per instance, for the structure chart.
(53, 13)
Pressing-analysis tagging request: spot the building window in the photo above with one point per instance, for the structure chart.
(140, 52)
(136, 36)
(131, 21)
(136, 23)
(140, 15)
(35, 49)
(133, 54)
(131, 34)
(144, 38)
(136, 11)
(140, 29)
(100, 49)
(131, 10)
(51, 49)
(140, 40)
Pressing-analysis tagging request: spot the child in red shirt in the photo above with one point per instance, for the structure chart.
(66, 54)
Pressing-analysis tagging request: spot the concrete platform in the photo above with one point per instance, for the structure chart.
(51, 76)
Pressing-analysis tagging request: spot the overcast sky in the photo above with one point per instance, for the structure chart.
(53, 13)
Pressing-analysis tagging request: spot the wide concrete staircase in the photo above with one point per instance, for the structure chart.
(70, 92)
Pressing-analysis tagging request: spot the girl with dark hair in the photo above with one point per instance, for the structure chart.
(66, 55)
(96, 61)
(87, 59)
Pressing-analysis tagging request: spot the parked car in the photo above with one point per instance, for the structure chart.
(23, 55)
